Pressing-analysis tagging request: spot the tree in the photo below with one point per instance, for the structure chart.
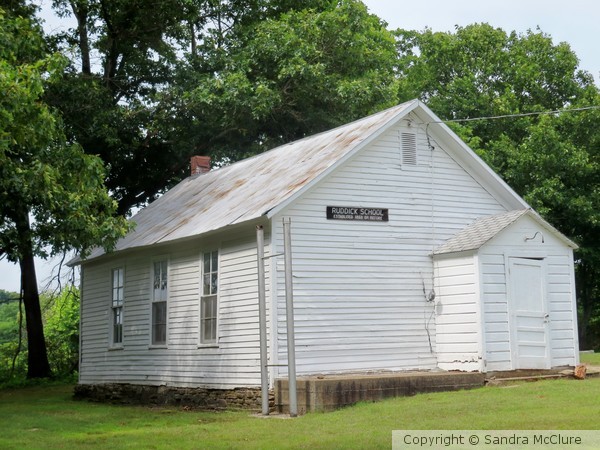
(287, 77)
(481, 71)
(557, 167)
(52, 197)
(220, 78)
(111, 108)
(551, 160)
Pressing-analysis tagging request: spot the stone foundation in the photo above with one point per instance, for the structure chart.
(196, 398)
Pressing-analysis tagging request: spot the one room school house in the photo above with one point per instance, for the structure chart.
(409, 253)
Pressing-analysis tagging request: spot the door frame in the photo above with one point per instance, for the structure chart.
(511, 309)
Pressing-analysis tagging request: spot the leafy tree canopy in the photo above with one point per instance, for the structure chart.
(552, 160)
(153, 83)
(43, 176)
(288, 77)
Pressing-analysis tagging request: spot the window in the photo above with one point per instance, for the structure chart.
(117, 306)
(159, 303)
(208, 301)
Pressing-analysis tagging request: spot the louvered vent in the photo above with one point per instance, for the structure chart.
(409, 148)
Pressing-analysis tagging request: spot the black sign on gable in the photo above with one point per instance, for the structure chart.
(357, 213)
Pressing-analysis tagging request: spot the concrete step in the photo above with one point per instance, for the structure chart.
(499, 378)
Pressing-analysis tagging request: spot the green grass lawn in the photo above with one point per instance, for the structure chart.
(590, 358)
(47, 418)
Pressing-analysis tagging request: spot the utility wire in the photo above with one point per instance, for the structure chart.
(539, 113)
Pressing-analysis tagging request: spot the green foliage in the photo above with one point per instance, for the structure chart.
(40, 171)
(52, 195)
(288, 77)
(551, 160)
(9, 338)
(61, 325)
(224, 79)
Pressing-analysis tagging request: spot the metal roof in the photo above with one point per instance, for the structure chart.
(250, 188)
(484, 229)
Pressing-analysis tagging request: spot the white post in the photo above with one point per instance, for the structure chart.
(289, 307)
(262, 319)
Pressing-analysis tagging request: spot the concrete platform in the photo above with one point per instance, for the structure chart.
(330, 392)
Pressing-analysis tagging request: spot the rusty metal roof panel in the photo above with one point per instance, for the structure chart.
(249, 188)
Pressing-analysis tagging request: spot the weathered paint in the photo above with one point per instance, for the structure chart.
(456, 275)
(359, 285)
(266, 183)
(232, 362)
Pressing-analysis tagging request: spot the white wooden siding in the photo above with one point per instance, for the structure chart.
(235, 362)
(358, 286)
(458, 321)
(560, 291)
(495, 311)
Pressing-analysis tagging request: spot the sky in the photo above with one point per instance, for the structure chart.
(574, 22)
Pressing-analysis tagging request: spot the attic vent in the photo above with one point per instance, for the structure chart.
(408, 141)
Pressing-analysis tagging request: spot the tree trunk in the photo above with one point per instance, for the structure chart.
(586, 282)
(81, 13)
(37, 356)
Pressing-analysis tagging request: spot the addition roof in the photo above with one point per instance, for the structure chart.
(484, 229)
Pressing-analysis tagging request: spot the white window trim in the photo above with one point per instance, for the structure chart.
(215, 343)
(112, 345)
(154, 260)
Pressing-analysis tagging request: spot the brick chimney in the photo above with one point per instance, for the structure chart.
(200, 164)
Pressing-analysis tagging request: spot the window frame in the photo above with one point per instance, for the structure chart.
(116, 306)
(163, 298)
(209, 292)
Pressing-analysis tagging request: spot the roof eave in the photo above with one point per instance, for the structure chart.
(410, 106)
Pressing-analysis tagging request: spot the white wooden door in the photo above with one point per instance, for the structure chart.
(529, 314)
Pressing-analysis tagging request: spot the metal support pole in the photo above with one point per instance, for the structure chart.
(262, 319)
(289, 307)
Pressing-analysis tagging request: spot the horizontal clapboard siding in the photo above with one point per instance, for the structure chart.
(358, 286)
(458, 319)
(559, 287)
(233, 363)
(495, 310)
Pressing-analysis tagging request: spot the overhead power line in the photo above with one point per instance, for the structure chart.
(507, 116)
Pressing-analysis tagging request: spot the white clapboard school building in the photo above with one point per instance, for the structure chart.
(409, 253)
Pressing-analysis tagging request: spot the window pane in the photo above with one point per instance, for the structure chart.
(206, 262)
(156, 282)
(159, 283)
(159, 322)
(208, 319)
(163, 275)
(209, 331)
(215, 262)
(206, 284)
(118, 296)
(117, 287)
(117, 325)
(213, 283)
